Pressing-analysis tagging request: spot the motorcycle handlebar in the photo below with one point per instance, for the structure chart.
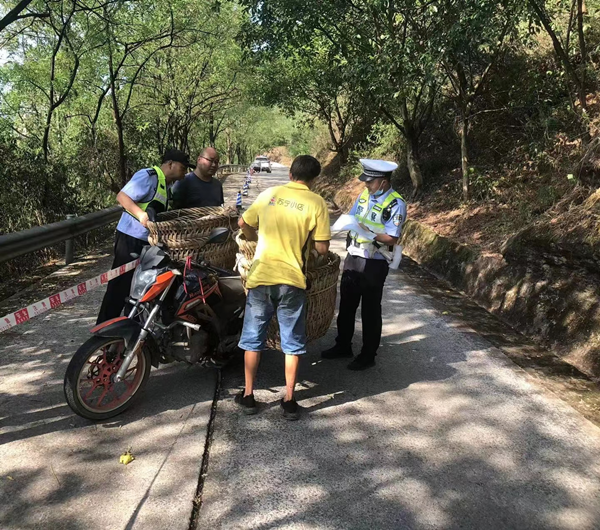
(178, 266)
(151, 214)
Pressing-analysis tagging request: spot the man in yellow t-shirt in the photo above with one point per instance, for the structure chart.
(287, 219)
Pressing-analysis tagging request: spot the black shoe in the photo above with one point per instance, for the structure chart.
(361, 363)
(246, 403)
(337, 352)
(290, 409)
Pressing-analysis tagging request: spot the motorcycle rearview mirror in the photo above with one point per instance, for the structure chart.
(218, 235)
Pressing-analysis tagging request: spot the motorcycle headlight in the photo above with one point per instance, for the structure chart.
(142, 278)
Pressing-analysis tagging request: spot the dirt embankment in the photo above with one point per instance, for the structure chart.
(280, 155)
(544, 280)
(555, 303)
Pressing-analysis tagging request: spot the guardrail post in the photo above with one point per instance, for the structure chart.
(69, 244)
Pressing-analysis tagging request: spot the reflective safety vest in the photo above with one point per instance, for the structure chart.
(373, 216)
(160, 201)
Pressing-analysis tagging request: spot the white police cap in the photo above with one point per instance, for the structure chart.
(376, 169)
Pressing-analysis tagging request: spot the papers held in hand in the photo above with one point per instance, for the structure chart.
(349, 222)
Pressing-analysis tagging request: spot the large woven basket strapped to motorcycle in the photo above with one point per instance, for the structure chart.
(184, 232)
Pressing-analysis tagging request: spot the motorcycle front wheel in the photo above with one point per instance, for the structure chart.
(89, 384)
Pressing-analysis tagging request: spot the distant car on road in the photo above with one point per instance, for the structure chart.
(262, 163)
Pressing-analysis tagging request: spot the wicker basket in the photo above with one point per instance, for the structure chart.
(322, 275)
(184, 232)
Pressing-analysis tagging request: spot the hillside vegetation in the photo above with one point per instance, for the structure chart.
(91, 91)
(491, 108)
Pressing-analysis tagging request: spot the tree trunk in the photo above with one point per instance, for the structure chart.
(410, 134)
(464, 156)
(229, 148)
(339, 144)
(561, 53)
(118, 119)
(414, 169)
(581, 11)
(212, 137)
(122, 157)
(46, 139)
(13, 14)
(119, 124)
(343, 152)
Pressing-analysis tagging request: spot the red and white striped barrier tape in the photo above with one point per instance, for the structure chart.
(37, 308)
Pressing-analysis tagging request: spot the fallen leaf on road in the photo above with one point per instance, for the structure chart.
(445, 312)
(9, 477)
(126, 457)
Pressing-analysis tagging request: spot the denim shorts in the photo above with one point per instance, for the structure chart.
(261, 304)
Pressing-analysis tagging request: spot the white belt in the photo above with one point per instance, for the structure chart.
(364, 246)
(360, 249)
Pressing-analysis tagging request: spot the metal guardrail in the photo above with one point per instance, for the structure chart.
(19, 243)
(232, 168)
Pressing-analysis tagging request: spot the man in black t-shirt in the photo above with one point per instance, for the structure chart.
(200, 187)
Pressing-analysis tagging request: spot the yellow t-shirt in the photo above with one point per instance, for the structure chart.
(286, 217)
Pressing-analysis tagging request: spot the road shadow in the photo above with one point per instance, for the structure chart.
(443, 433)
(64, 470)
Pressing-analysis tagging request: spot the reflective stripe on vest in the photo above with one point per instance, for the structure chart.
(370, 215)
(160, 200)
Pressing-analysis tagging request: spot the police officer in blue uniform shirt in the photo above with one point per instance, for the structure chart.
(381, 212)
(147, 188)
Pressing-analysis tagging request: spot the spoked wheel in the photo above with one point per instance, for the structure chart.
(90, 388)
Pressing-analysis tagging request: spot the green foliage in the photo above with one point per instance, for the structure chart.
(91, 93)
(405, 61)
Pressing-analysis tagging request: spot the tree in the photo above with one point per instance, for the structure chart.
(471, 36)
(543, 16)
(310, 80)
(128, 53)
(83, 83)
(187, 96)
(379, 49)
(21, 11)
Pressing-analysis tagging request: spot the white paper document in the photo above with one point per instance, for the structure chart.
(349, 222)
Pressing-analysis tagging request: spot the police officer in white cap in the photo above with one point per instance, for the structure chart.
(381, 211)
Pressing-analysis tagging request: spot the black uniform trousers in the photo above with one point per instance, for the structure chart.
(362, 279)
(119, 287)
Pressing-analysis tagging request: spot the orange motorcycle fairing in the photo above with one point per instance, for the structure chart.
(162, 282)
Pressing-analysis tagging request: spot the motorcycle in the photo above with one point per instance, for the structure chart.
(190, 312)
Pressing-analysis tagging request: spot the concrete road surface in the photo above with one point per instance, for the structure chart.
(444, 433)
(60, 471)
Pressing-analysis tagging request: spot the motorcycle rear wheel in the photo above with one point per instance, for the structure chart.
(89, 384)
